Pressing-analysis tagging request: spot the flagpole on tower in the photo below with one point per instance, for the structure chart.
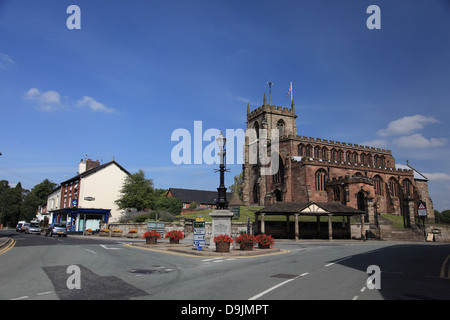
(270, 83)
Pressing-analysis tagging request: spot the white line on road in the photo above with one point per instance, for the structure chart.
(20, 298)
(330, 264)
(91, 251)
(44, 293)
(304, 274)
(272, 288)
(355, 297)
(105, 247)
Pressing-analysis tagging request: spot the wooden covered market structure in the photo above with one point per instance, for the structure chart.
(312, 209)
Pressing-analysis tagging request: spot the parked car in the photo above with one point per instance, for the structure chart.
(33, 228)
(56, 228)
(19, 226)
(24, 227)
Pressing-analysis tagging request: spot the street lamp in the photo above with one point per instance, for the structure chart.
(221, 201)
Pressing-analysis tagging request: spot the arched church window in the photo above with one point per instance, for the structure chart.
(280, 127)
(278, 177)
(378, 183)
(321, 178)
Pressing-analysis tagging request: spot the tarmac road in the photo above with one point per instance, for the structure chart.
(39, 267)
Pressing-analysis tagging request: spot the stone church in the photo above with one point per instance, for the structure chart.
(323, 170)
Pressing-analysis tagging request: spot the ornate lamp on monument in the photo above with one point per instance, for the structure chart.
(221, 201)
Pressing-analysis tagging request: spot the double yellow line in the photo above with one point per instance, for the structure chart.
(8, 246)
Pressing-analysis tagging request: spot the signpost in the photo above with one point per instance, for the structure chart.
(199, 234)
(422, 211)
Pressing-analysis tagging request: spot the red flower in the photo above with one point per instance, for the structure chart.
(174, 234)
(245, 238)
(152, 234)
(223, 238)
(265, 239)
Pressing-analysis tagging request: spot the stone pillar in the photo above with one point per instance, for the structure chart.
(318, 227)
(349, 227)
(263, 227)
(362, 227)
(288, 227)
(370, 209)
(257, 223)
(296, 227)
(330, 227)
(221, 223)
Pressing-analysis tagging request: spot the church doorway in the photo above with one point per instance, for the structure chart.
(278, 195)
(360, 197)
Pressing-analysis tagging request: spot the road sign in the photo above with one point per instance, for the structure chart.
(422, 210)
(199, 234)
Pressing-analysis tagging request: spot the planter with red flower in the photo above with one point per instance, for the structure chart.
(265, 241)
(174, 236)
(246, 241)
(133, 233)
(151, 237)
(223, 242)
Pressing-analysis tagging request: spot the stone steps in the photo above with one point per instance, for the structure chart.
(389, 232)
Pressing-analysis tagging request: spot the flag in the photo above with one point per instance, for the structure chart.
(289, 91)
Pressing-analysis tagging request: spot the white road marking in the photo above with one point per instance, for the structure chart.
(330, 264)
(272, 288)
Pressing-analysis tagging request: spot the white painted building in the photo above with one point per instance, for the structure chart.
(87, 200)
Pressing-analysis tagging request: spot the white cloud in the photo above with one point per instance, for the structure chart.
(406, 125)
(94, 105)
(47, 101)
(5, 61)
(377, 143)
(439, 176)
(419, 141)
(51, 101)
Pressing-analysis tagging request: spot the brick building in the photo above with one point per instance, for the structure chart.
(322, 170)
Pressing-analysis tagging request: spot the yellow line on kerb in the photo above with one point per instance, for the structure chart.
(207, 256)
(443, 269)
(8, 247)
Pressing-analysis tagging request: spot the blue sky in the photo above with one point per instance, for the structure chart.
(138, 70)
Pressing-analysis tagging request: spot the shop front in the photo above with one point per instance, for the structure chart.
(79, 219)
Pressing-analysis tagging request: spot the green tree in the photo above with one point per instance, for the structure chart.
(236, 187)
(169, 204)
(137, 192)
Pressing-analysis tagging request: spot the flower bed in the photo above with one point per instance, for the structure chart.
(246, 241)
(133, 233)
(265, 241)
(174, 236)
(223, 242)
(116, 233)
(104, 233)
(151, 237)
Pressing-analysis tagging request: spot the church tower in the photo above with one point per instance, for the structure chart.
(266, 117)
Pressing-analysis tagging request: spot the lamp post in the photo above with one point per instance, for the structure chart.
(221, 201)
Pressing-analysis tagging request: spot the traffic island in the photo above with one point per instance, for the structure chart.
(206, 251)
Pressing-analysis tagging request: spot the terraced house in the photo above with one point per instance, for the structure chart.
(323, 170)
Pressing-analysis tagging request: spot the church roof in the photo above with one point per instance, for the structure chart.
(310, 208)
(199, 196)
